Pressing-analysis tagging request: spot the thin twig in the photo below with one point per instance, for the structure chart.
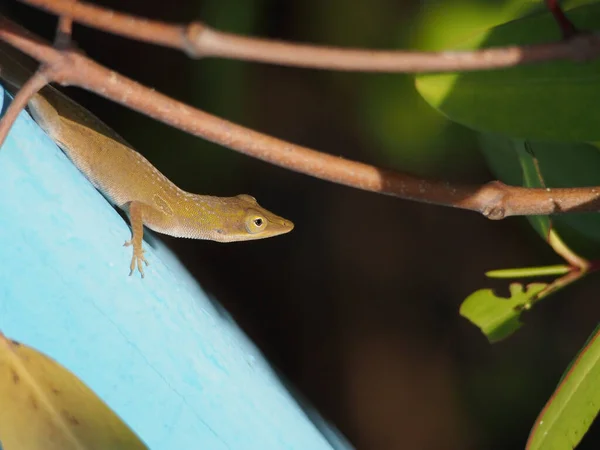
(64, 31)
(199, 40)
(28, 90)
(567, 28)
(495, 200)
(558, 245)
(37, 81)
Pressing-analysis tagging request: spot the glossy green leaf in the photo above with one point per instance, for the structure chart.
(532, 177)
(573, 406)
(571, 165)
(46, 407)
(550, 101)
(498, 317)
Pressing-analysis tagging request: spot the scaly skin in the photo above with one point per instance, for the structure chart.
(131, 182)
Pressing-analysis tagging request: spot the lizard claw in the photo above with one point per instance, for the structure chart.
(136, 259)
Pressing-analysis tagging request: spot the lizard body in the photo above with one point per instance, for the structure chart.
(132, 183)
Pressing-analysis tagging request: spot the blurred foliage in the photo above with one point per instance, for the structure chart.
(46, 407)
(529, 105)
(552, 101)
(353, 306)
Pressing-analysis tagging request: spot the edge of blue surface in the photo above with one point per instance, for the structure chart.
(178, 371)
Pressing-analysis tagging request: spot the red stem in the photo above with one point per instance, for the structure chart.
(566, 26)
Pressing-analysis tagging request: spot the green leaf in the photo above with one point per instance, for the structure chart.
(498, 317)
(529, 272)
(532, 177)
(574, 404)
(571, 165)
(46, 407)
(550, 101)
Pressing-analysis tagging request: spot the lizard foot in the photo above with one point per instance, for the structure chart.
(137, 259)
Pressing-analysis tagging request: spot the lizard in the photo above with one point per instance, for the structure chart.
(130, 182)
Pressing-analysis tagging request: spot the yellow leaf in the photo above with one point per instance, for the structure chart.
(44, 406)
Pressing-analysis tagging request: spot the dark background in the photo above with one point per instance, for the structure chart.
(358, 306)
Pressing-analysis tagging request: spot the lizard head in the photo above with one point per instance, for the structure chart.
(246, 220)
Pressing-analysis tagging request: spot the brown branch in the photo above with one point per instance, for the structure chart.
(64, 31)
(199, 40)
(28, 90)
(38, 80)
(495, 200)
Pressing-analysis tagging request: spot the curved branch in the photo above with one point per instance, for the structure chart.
(38, 80)
(28, 90)
(199, 40)
(494, 200)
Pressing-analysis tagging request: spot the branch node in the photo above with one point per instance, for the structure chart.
(584, 46)
(59, 70)
(192, 38)
(493, 196)
(494, 212)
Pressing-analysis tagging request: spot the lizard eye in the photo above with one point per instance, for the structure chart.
(255, 223)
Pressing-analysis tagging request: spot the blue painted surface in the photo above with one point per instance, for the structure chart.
(177, 370)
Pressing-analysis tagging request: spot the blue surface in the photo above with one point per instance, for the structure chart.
(177, 370)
